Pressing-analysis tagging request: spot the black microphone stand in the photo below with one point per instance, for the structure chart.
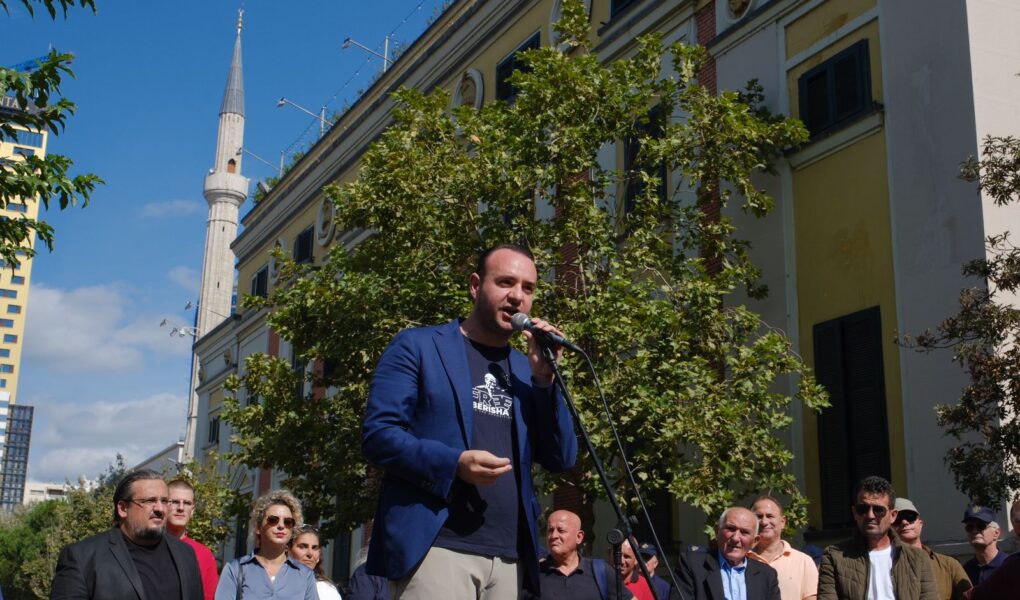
(624, 523)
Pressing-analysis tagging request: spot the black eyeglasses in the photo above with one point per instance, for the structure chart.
(274, 520)
(863, 509)
(906, 517)
(975, 525)
(149, 502)
(306, 528)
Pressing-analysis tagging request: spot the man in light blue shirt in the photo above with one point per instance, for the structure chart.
(727, 574)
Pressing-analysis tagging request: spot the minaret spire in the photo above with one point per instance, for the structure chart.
(225, 191)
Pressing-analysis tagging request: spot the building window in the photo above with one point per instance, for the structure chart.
(3, 383)
(506, 67)
(653, 126)
(7, 323)
(214, 430)
(618, 6)
(260, 283)
(8, 293)
(853, 438)
(17, 207)
(26, 152)
(5, 352)
(303, 246)
(13, 309)
(837, 90)
(10, 338)
(17, 279)
(29, 138)
(6, 368)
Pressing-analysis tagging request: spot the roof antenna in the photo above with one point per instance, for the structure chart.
(240, 20)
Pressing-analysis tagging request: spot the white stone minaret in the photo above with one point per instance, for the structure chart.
(225, 190)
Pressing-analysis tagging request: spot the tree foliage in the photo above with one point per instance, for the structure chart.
(31, 539)
(36, 92)
(646, 287)
(983, 336)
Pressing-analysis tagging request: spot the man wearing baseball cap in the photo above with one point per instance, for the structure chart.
(651, 555)
(950, 577)
(983, 535)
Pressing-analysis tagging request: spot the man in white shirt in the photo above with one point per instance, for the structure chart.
(874, 564)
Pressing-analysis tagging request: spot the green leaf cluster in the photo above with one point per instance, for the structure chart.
(694, 378)
(42, 179)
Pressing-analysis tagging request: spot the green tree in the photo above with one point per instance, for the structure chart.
(38, 107)
(983, 337)
(643, 284)
(31, 540)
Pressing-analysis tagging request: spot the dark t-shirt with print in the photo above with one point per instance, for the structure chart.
(484, 519)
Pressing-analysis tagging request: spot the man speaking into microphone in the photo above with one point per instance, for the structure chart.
(455, 418)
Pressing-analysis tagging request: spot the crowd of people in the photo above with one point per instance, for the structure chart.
(456, 419)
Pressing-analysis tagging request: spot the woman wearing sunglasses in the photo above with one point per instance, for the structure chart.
(306, 549)
(269, 572)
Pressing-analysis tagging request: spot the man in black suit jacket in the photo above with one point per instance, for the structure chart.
(134, 560)
(718, 574)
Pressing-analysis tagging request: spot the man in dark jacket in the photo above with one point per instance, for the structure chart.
(726, 573)
(135, 559)
(874, 563)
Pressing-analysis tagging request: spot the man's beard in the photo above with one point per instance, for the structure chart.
(149, 534)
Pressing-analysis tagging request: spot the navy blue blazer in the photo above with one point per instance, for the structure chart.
(417, 422)
(700, 578)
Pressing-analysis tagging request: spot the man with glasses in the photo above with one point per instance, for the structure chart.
(874, 564)
(134, 559)
(983, 536)
(950, 578)
(182, 508)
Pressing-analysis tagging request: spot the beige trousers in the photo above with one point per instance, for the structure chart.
(451, 575)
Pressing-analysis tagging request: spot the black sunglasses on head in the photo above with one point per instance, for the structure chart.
(863, 510)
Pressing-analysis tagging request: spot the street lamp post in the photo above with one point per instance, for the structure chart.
(321, 116)
(279, 168)
(385, 56)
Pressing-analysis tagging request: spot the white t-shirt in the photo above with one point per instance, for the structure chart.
(880, 585)
(326, 591)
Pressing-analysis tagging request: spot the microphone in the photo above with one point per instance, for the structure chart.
(521, 322)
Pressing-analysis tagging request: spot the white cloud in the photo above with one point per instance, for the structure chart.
(89, 329)
(74, 439)
(172, 208)
(186, 277)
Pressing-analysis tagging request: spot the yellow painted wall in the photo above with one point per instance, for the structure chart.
(822, 21)
(844, 264)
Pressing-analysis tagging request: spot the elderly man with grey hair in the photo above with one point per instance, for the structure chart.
(726, 573)
(983, 533)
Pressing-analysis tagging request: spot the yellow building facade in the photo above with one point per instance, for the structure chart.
(870, 229)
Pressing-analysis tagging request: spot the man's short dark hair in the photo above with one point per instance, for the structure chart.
(121, 494)
(483, 258)
(876, 485)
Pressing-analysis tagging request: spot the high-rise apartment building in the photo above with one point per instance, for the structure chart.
(14, 284)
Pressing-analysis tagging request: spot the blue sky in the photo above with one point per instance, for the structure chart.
(102, 374)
